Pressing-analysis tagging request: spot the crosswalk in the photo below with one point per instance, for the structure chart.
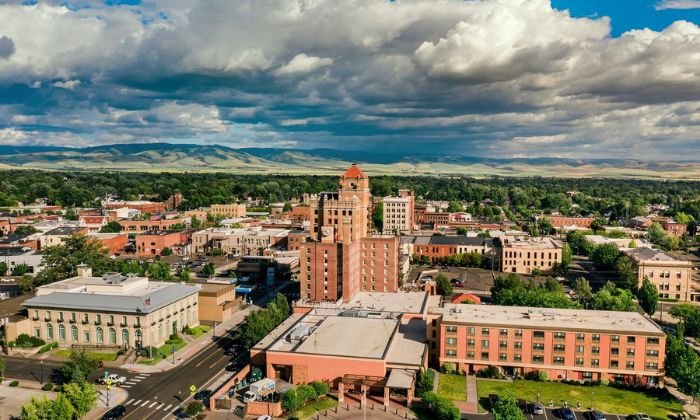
(152, 405)
(136, 379)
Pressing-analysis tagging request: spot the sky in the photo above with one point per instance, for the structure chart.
(493, 78)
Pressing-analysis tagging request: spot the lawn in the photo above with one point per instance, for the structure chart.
(200, 330)
(312, 408)
(164, 352)
(103, 356)
(604, 398)
(453, 387)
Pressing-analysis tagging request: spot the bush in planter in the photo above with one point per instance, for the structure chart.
(25, 340)
(48, 347)
(14, 384)
(448, 368)
(321, 388)
(174, 337)
(194, 408)
(536, 375)
(149, 351)
(58, 388)
(490, 372)
(47, 387)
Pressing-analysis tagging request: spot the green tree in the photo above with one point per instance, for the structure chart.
(185, 274)
(82, 397)
(648, 296)
(306, 393)
(291, 401)
(461, 230)
(160, 270)
(455, 206)
(321, 388)
(111, 227)
(611, 298)
(60, 261)
(27, 283)
(24, 230)
(583, 290)
(287, 207)
(689, 315)
(442, 408)
(657, 234)
(507, 408)
(3, 365)
(378, 217)
(605, 256)
(682, 363)
(424, 383)
(627, 273)
(132, 267)
(195, 223)
(209, 270)
(566, 256)
(44, 409)
(194, 408)
(444, 287)
(166, 252)
(259, 323)
(3, 268)
(79, 366)
(20, 269)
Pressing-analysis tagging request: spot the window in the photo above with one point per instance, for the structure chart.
(580, 336)
(614, 364)
(518, 333)
(538, 346)
(503, 332)
(484, 331)
(579, 361)
(538, 359)
(652, 353)
(470, 354)
(450, 353)
(651, 366)
(98, 319)
(451, 341)
(614, 351)
(558, 360)
(595, 350)
(86, 336)
(72, 317)
(470, 330)
(451, 329)
(123, 321)
(61, 332)
(48, 316)
(36, 315)
(60, 317)
(49, 331)
(615, 338)
(595, 362)
(99, 335)
(631, 339)
(112, 336)
(538, 334)
(484, 343)
(74, 333)
(518, 345)
(37, 332)
(559, 348)
(629, 365)
(484, 355)
(587, 375)
(517, 357)
(630, 352)
(595, 337)
(559, 335)
(502, 356)
(470, 342)
(503, 344)
(653, 341)
(579, 349)
(111, 320)
(85, 319)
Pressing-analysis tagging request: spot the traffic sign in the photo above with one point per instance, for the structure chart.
(193, 389)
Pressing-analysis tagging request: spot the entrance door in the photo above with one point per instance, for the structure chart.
(174, 327)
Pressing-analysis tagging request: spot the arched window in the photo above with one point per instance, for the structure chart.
(112, 336)
(49, 331)
(74, 333)
(125, 337)
(61, 332)
(99, 335)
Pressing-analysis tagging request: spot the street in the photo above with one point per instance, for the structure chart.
(549, 414)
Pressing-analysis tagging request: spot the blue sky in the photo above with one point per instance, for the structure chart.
(501, 78)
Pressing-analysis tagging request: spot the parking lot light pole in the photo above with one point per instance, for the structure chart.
(41, 379)
(592, 398)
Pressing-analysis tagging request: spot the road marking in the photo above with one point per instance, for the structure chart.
(142, 375)
(126, 386)
(144, 403)
(205, 359)
(154, 403)
(131, 382)
(168, 407)
(545, 414)
(215, 363)
(130, 401)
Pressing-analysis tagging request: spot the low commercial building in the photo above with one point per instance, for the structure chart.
(250, 242)
(227, 210)
(375, 343)
(157, 224)
(111, 311)
(151, 207)
(522, 254)
(671, 276)
(57, 235)
(17, 256)
(622, 243)
(217, 303)
(153, 243)
(436, 247)
(564, 343)
(113, 242)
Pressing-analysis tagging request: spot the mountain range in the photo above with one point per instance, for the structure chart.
(162, 157)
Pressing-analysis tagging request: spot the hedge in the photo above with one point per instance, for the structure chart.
(48, 347)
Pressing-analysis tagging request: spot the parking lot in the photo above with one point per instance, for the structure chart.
(551, 414)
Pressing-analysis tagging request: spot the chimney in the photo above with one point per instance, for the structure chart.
(84, 271)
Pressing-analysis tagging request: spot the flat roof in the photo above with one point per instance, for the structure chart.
(404, 302)
(350, 336)
(65, 230)
(408, 346)
(548, 319)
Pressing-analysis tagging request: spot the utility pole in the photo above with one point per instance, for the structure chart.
(41, 380)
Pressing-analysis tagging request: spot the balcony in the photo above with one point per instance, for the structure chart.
(35, 318)
(110, 324)
(98, 322)
(47, 319)
(124, 325)
(72, 321)
(137, 325)
(85, 322)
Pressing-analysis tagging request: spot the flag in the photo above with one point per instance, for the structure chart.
(147, 301)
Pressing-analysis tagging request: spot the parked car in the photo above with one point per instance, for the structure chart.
(595, 415)
(456, 283)
(116, 379)
(537, 409)
(117, 412)
(640, 416)
(566, 413)
(202, 395)
(264, 417)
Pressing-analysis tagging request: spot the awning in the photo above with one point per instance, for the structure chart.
(401, 379)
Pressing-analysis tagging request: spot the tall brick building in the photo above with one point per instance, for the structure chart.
(339, 258)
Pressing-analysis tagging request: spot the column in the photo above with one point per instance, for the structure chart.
(341, 392)
(386, 396)
(409, 396)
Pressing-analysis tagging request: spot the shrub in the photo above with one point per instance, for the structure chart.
(448, 368)
(174, 337)
(58, 388)
(321, 388)
(194, 408)
(291, 401)
(47, 387)
(48, 347)
(424, 383)
(187, 330)
(536, 375)
(14, 384)
(25, 340)
(490, 372)
(149, 351)
(306, 393)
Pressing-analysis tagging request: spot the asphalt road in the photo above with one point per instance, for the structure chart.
(550, 414)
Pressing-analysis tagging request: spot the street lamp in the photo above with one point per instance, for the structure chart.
(109, 387)
(173, 353)
(41, 380)
(592, 398)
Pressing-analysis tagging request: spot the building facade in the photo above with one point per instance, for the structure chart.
(153, 243)
(522, 254)
(671, 276)
(227, 210)
(564, 343)
(111, 311)
(398, 212)
(436, 247)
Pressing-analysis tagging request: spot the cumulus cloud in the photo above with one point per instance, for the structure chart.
(489, 77)
(677, 4)
(302, 63)
(7, 47)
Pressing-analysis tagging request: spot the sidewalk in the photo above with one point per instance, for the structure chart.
(117, 395)
(193, 348)
(687, 401)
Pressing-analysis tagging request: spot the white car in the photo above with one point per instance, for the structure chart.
(264, 417)
(116, 379)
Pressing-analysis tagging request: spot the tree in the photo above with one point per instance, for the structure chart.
(79, 367)
(209, 270)
(3, 268)
(20, 269)
(461, 230)
(195, 223)
(507, 408)
(378, 217)
(306, 393)
(82, 396)
(657, 234)
(321, 388)
(259, 323)
(3, 365)
(566, 256)
(166, 252)
(648, 296)
(185, 274)
(611, 298)
(689, 314)
(160, 270)
(27, 283)
(44, 408)
(682, 363)
(444, 287)
(605, 256)
(287, 207)
(291, 401)
(111, 227)
(424, 383)
(627, 273)
(583, 290)
(24, 230)
(442, 408)
(455, 206)
(60, 261)
(194, 408)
